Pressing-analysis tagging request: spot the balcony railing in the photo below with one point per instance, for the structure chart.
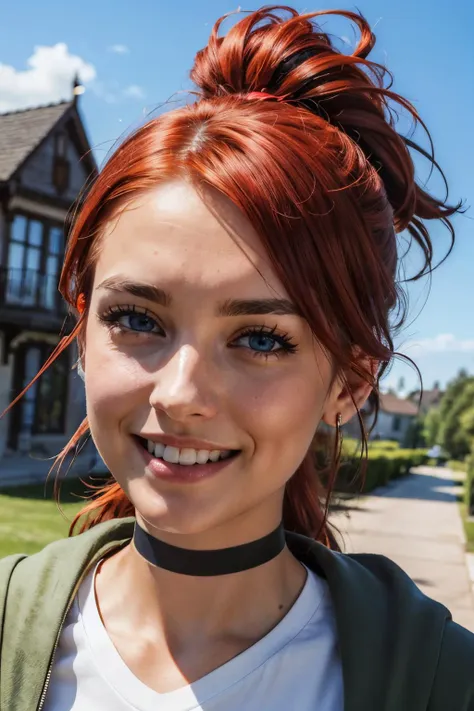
(30, 289)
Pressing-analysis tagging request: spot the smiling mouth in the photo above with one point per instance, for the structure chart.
(185, 456)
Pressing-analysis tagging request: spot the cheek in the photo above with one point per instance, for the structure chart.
(283, 411)
(114, 383)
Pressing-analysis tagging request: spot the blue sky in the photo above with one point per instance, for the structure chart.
(135, 56)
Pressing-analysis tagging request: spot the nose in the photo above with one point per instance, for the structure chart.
(183, 388)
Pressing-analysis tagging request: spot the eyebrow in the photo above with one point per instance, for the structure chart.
(142, 290)
(230, 307)
(254, 307)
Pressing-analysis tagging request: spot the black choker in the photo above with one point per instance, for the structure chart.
(222, 561)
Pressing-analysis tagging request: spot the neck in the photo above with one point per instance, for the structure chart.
(208, 562)
(180, 606)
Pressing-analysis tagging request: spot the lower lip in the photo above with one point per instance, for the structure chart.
(178, 472)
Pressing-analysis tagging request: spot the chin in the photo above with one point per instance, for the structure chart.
(175, 513)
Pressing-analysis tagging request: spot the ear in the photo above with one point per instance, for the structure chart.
(349, 394)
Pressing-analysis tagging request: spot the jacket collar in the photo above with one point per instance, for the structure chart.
(389, 633)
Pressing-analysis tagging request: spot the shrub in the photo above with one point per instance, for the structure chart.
(457, 466)
(383, 466)
(469, 485)
(386, 444)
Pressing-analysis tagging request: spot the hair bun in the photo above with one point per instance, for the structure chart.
(282, 53)
(276, 50)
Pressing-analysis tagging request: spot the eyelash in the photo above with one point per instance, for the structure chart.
(113, 314)
(287, 347)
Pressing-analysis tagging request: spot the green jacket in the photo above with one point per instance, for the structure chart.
(400, 650)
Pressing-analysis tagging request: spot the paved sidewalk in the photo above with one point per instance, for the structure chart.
(415, 521)
(19, 470)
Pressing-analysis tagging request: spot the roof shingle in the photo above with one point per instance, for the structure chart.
(22, 131)
(396, 406)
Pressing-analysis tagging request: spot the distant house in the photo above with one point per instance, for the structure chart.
(395, 416)
(429, 398)
(394, 419)
(45, 159)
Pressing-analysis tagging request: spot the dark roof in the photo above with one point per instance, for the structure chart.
(429, 398)
(22, 131)
(396, 405)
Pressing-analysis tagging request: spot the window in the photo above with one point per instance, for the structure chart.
(61, 168)
(24, 261)
(43, 406)
(60, 145)
(34, 262)
(51, 396)
(53, 261)
(396, 423)
(32, 364)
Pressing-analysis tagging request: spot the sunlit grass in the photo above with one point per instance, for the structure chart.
(30, 518)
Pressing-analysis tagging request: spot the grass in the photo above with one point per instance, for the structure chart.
(457, 466)
(30, 518)
(468, 527)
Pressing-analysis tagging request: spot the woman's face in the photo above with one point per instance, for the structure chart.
(192, 345)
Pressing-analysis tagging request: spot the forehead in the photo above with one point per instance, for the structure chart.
(174, 237)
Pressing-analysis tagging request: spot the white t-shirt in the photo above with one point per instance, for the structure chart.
(295, 666)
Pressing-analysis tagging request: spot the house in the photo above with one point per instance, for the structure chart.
(395, 417)
(45, 160)
(429, 398)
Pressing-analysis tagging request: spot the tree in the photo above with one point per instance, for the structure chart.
(455, 434)
(415, 436)
(431, 426)
(467, 422)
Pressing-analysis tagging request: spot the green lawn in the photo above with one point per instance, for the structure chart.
(30, 518)
(468, 527)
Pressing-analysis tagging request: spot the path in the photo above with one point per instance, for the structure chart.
(415, 521)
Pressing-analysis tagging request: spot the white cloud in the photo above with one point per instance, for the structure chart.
(47, 79)
(134, 92)
(442, 343)
(119, 49)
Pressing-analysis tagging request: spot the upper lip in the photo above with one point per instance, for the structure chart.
(183, 442)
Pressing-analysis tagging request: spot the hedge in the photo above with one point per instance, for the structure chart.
(469, 486)
(382, 467)
(456, 466)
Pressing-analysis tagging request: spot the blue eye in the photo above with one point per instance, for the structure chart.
(261, 342)
(128, 319)
(138, 322)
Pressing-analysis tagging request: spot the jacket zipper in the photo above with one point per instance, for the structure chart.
(63, 620)
(51, 663)
(56, 643)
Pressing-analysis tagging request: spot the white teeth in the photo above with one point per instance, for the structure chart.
(187, 456)
(202, 456)
(171, 454)
(159, 450)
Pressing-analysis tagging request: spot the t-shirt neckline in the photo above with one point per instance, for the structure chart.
(139, 696)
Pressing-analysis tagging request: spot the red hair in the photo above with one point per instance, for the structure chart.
(302, 138)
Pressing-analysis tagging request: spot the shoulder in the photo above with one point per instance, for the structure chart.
(453, 684)
(394, 639)
(60, 563)
(449, 661)
(36, 592)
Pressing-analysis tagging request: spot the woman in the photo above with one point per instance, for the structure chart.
(233, 270)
